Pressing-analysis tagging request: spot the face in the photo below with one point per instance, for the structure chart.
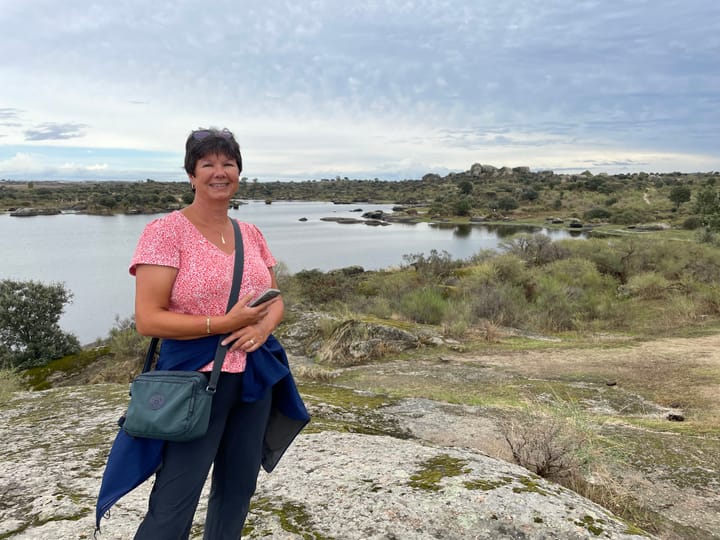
(216, 177)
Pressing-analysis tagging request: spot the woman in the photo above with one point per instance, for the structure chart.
(183, 266)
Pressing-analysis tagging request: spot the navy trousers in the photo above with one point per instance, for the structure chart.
(233, 445)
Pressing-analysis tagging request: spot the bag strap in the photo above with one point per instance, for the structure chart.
(221, 350)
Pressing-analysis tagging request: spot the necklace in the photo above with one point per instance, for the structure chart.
(222, 238)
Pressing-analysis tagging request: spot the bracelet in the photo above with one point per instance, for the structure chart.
(207, 325)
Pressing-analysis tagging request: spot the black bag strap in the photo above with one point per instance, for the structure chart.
(221, 350)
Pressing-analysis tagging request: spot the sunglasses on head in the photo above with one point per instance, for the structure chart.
(200, 134)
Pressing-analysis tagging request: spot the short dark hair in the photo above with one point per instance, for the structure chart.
(203, 142)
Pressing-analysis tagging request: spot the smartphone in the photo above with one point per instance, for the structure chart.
(269, 294)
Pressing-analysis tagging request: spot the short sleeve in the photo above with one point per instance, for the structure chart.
(263, 249)
(158, 245)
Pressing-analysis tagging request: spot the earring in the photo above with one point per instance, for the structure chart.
(192, 187)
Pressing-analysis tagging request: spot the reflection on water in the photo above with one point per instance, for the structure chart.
(499, 230)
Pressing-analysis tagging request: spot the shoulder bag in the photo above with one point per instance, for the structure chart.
(175, 405)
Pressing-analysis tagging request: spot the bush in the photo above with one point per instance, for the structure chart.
(597, 213)
(425, 305)
(438, 263)
(501, 303)
(646, 286)
(125, 342)
(571, 291)
(322, 288)
(535, 249)
(553, 442)
(29, 331)
(692, 223)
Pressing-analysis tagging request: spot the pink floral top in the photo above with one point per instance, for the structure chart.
(204, 277)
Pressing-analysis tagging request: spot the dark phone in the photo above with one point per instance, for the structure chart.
(269, 294)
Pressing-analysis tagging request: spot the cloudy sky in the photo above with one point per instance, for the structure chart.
(376, 88)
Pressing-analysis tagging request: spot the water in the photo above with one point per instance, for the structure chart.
(90, 254)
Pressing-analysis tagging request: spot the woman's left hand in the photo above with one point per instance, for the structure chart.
(246, 339)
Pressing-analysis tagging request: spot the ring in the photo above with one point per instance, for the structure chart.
(252, 341)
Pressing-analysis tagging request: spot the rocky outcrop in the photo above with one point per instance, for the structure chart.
(30, 212)
(352, 341)
(329, 485)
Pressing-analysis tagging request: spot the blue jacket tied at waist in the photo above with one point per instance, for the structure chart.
(133, 460)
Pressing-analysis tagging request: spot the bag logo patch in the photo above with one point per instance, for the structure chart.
(156, 401)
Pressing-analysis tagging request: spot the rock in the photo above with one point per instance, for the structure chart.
(356, 342)
(374, 214)
(342, 220)
(30, 212)
(328, 485)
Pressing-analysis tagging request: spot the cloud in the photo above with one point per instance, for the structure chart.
(53, 131)
(370, 87)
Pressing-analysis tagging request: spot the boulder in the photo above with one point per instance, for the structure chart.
(329, 484)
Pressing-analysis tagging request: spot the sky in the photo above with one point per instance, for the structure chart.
(388, 89)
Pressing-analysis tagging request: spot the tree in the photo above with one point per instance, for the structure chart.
(679, 195)
(465, 187)
(707, 206)
(507, 204)
(462, 207)
(29, 331)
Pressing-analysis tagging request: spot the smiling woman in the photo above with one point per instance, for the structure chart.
(184, 293)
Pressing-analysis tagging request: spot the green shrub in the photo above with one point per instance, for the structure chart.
(125, 342)
(501, 303)
(692, 223)
(535, 249)
(425, 305)
(438, 263)
(458, 318)
(597, 213)
(646, 286)
(570, 291)
(323, 287)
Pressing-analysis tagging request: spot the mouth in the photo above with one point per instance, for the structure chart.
(219, 185)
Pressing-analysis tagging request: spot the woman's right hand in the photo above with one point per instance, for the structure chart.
(242, 315)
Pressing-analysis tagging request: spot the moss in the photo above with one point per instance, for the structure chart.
(591, 524)
(435, 469)
(487, 485)
(38, 378)
(293, 518)
(530, 486)
(349, 411)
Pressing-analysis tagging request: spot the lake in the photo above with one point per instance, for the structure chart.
(90, 254)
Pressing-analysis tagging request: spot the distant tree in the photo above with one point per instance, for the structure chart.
(507, 204)
(29, 331)
(465, 187)
(462, 207)
(707, 206)
(679, 195)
